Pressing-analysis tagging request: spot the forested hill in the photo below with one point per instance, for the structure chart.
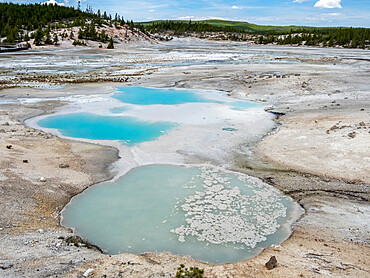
(30, 17)
(49, 24)
(254, 28)
(14, 17)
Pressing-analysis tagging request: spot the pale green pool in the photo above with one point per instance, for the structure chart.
(205, 213)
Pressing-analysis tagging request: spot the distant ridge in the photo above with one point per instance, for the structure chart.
(242, 25)
(214, 29)
(249, 27)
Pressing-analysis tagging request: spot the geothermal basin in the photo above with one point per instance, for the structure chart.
(173, 192)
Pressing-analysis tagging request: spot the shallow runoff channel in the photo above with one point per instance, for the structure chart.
(173, 192)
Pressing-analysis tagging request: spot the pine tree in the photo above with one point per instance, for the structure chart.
(103, 36)
(55, 40)
(11, 37)
(80, 34)
(331, 42)
(110, 44)
(48, 37)
(39, 36)
(362, 43)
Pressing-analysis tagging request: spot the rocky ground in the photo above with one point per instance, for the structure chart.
(319, 155)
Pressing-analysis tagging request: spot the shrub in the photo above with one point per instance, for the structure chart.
(193, 272)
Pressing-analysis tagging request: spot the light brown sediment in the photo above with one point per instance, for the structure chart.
(332, 237)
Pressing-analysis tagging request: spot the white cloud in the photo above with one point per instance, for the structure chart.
(332, 14)
(190, 17)
(53, 2)
(324, 17)
(328, 4)
(299, 1)
(237, 8)
(185, 17)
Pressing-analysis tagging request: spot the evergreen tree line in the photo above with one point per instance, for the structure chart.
(345, 37)
(183, 27)
(89, 32)
(43, 36)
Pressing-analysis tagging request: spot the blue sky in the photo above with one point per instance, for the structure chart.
(266, 12)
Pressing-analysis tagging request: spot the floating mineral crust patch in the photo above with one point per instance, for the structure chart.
(223, 213)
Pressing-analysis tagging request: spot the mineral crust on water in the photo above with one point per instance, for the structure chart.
(220, 213)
